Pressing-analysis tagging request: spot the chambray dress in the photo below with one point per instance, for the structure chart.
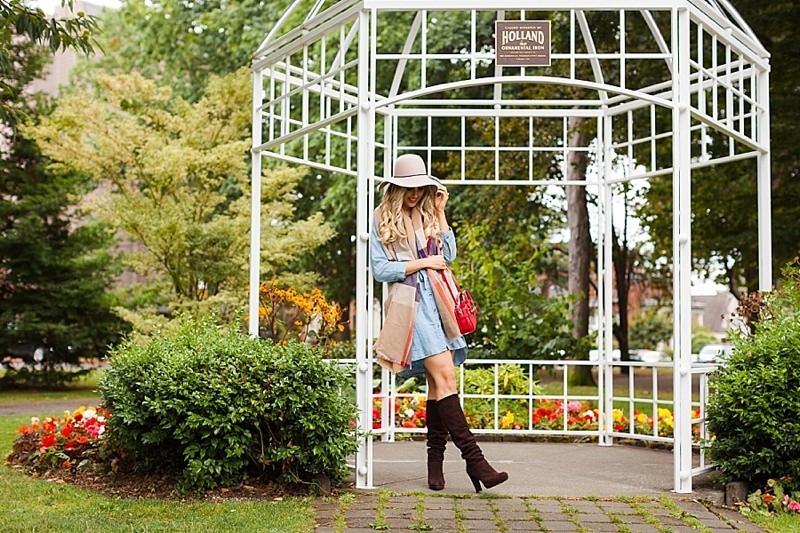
(428, 337)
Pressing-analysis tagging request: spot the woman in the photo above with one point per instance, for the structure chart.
(411, 248)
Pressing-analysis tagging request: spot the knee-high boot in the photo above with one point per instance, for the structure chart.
(437, 441)
(478, 469)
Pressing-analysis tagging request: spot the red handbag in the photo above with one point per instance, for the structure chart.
(466, 310)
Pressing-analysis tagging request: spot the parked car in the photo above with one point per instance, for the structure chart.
(595, 354)
(649, 356)
(714, 353)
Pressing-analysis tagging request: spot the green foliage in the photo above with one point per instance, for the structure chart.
(213, 406)
(185, 43)
(173, 180)
(651, 328)
(516, 320)
(56, 269)
(174, 174)
(511, 380)
(23, 25)
(701, 336)
(756, 393)
(775, 26)
(774, 499)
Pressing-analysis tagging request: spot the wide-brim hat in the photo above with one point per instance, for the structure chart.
(410, 172)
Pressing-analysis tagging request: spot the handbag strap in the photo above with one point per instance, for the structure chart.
(446, 282)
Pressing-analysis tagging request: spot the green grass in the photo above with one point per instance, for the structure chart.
(781, 523)
(85, 388)
(28, 504)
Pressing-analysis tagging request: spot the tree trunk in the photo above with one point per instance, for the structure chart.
(580, 244)
(622, 275)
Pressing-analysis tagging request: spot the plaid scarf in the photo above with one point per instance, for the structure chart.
(393, 346)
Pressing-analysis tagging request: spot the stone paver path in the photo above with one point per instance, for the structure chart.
(385, 511)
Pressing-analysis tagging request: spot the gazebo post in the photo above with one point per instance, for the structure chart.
(365, 167)
(682, 250)
(764, 187)
(255, 206)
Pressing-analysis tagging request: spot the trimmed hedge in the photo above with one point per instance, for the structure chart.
(213, 406)
(755, 400)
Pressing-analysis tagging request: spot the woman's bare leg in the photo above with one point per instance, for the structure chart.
(441, 375)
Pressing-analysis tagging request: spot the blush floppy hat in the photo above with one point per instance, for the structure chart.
(410, 172)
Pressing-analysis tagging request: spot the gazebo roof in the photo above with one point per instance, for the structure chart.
(718, 13)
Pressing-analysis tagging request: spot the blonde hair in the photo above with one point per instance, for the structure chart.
(391, 226)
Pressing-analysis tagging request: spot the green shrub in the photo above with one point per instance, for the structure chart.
(214, 406)
(755, 399)
(511, 380)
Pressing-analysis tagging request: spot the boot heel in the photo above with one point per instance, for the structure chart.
(476, 483)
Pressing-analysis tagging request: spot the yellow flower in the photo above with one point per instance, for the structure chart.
(507, 421)
(643, 418)
(617, 414)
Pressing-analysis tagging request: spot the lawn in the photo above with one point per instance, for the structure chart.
(85, 388)
(28, 504)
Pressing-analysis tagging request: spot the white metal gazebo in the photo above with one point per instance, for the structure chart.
(667, 86)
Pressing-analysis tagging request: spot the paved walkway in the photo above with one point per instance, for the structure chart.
(557, 487)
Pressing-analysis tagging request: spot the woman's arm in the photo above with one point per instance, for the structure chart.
(386, 271)
(447, 239)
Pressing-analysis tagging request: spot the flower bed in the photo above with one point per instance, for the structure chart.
(547, 414)
(773, 499)
(66, 443)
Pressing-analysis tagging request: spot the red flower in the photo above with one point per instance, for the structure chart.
(768, 498)
(67, 431)
(66, 464)
(49, 440)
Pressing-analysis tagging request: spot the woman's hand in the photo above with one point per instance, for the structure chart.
(441, 199)
(436, 262)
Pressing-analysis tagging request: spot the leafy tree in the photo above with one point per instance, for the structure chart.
(57, 266)
(184, 44)
(22, 25)
(775, 26)
(701, 336)
(724, 225)
(56, 260)
(649, 329)
(173, 179)
(518, 319)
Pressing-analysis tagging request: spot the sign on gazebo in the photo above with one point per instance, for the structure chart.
(522, 43)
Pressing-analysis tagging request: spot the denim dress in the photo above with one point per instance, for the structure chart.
(428, 337)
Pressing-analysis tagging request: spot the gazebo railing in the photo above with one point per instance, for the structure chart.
(618, 410)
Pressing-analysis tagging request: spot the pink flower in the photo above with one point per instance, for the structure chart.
(574, 407)
(791, 504)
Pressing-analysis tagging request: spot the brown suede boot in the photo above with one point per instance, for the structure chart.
(437, 441)
(478, 469)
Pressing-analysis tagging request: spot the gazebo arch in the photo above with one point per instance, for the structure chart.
(331, 92)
